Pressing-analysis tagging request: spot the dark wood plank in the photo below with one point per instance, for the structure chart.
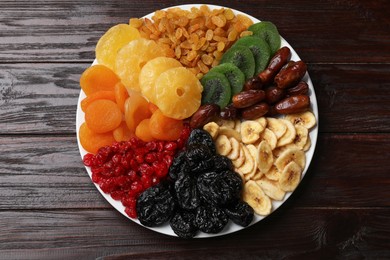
(43, 98)
(330, 31)
(296, 233)
(348, 170)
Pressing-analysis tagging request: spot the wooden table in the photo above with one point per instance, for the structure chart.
(49, 208)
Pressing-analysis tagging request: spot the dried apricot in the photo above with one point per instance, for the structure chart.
(103, 116)
(122, 133)
(136, 110)
(121, 95)
(96, 78)
(92, 141)
(165, 128)
(143, 131)
(103, 94)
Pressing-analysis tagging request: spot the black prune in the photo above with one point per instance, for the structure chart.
(210, 219)
(203, 137)
(183, 224)
(240, 213)
(199, 157)
(186, 192)
(222, 163)
(220, 188)
(155, 205)
(179, 165)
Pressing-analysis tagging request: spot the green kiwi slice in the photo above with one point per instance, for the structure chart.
(267, 31)
(216, 89)
(242, 57)
(260, 50)
(235, 76)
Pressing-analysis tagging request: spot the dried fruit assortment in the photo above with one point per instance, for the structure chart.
(179, 118)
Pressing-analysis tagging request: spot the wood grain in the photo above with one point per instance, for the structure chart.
(333, 31)
(43, 98)
(291, 233)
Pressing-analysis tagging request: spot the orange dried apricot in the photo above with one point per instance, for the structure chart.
(103, 94)
(91, 141)
(136, 110)
(121, 95)
(122, 133)
(96, 78)
(143, 131)
(103, 116)
(165, 128)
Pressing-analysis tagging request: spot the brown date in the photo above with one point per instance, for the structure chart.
(253, 83)
(301, 88)
(204, 115)
(293, 104)
(274, 94)
(248, 98)
(291, 75)
(281, 57)
(229, 112)
(255, 111)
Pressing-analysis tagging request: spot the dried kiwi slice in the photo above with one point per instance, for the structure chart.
(216, 89)
(235, 76)
(260, 50)
(242, 57)
(267, 31)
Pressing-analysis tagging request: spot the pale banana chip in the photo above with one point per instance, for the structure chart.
(235, 152)
(289, 155)
(301, 137)
(265, 157)
(240, 159)
(249, 163)
(306, 119)
(237, 125)
(289, 135)
(262, 121)
(308, 144)
(223, 145)
(212, 128)
(270, 137)
(250, 131)
(277, 126)
(290, 176)
(256, 198)
(253, 152)
(273, 173)
(229, 132)
(271, 188)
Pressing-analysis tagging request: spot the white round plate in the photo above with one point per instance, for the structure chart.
(230, 227)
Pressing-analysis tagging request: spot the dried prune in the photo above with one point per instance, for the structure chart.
(203, 137)
(183, 224)
(186, 192)
(220, 188)
(155, 205)
(240, 213)
(222, 163)
(179, 165)
(199, 157)
(210, 219)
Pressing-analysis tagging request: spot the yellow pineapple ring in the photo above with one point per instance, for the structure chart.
(115, 38)
(151, 71)
(132, 57)
(178, 93)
